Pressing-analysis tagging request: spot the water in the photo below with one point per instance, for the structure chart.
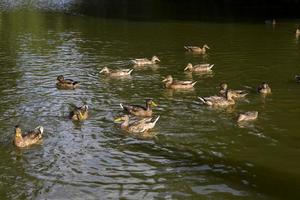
(198, 152)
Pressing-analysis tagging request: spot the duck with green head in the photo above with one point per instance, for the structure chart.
(141, 111)
(79, 113)
(67, 84)
(29, 138)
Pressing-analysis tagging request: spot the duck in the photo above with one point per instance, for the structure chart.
(196, 49)
(297, 77)
(66, 83)
(145, 61)
(218, 101)
(248, 116)
(29, 138)
(235, 93)
(79, 113)
(198, 68)
(115, 73)
(298, 31)
(139, 126)
(141, 111)
(264, 88)
(172, 84)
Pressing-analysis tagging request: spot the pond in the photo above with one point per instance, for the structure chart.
(197, 153)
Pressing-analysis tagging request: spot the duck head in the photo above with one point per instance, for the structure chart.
(105, 70)
(189, 67)
(264, 85)
(169, 78)
(155, 59)
(122, 118)
(150, 102)
(223, 86)
(60, 78)
(40, 129)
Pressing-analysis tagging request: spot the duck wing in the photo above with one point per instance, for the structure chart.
(31, 135)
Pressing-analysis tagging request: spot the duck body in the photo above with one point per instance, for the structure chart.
(172, 84)
(63, 83)
(29, 138)
(198, 68)
(141, 111)
(79, 113)
(235, 93)
(297, 77)
(145, 61)
(196, 49)
(264, 88)
(248, 116)
(116, 73)
(136, 127)
(218, 101)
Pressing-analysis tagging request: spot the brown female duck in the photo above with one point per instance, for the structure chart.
(29, 138)
(141, 111)
(217, 100)
(264, 88)
(198, 68)
(248, 116)
(79, 113)
(145, 61)
(66, 83)
(196, 49)
(235, 93)
(172, 84)
(139, 126)
(116, 73)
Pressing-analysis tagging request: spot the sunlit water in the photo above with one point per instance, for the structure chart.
(197, 153)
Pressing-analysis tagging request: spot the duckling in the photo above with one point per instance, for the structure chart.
(79, 113)
(218, 101)
(198, 68)
(264, 88)
(66, 83)
(145, 61)
(30, 138)
(138, 110)
(248, 116)
(116, 73)
(196, 49)
(297, 77)
(171, 84)
(140, 126)
(235, 93)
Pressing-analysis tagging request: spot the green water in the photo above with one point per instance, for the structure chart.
(198, 153)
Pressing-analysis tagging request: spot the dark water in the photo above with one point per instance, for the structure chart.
(198, 153)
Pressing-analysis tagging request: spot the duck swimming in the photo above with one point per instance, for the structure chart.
(145, 61)
(29, 138)
(139, 126)
(235, 93)
(248, 116)
(116, 73)
(196, 49)
(218, 101)
(172, 84)
(198, 68)
(141, 111)
(79, 113)
(66, 83)
(264, 88)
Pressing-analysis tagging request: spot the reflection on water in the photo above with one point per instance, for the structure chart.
(198, 151)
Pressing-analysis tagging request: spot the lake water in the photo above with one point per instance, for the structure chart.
(197, 153)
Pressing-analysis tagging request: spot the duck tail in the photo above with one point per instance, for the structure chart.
(129, 72)
(157, 118)
(211, 66)
(121, 105)
(194, 83)
(186, 47)
(202, 99)
(75, 82)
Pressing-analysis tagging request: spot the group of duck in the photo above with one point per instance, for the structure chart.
(143, 114)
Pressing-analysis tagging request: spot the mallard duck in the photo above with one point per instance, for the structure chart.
(140, 126)
(196, 49)
(264, 88)
(66, 83)
(138, 110)
(116, 73)
(217, 100)
(248, 116)
(79, 113)
(29, 138)
(235, 93)
(198, 68)
(297, 77)
(145, 61)
(171, 84)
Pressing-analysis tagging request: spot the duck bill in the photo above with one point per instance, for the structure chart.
(118, 119)
(153, 104)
